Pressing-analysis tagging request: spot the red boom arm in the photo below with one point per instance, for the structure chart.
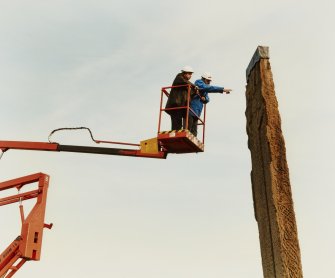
(28, 245)
(55, 147)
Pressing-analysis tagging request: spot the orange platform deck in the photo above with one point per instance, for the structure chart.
(180, 141)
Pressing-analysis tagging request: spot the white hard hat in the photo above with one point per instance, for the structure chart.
(207, 75)
(187, 69)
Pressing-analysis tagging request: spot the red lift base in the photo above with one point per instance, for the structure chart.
(179, 141)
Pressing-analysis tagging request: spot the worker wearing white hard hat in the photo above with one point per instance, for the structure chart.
(206, 76)
(178, 98)
(202, 98)
(187, 69)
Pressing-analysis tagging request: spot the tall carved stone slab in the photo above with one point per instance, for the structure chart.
(271, 187)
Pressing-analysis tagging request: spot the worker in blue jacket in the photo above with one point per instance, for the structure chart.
(201, 98)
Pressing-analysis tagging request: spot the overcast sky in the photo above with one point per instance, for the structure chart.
(101, 64)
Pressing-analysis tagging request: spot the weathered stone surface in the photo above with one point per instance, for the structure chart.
(262, 52)
(271, 187)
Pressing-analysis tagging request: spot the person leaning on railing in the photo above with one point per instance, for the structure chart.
(178, 98)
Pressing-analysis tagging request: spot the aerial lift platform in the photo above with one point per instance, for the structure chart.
(180, 141)
(171, 141)
(27, 246)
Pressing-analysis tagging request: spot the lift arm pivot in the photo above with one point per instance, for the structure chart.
(28, 245)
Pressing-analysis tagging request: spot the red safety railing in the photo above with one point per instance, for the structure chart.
(201, 120)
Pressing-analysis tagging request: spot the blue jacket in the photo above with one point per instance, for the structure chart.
(196, 103)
